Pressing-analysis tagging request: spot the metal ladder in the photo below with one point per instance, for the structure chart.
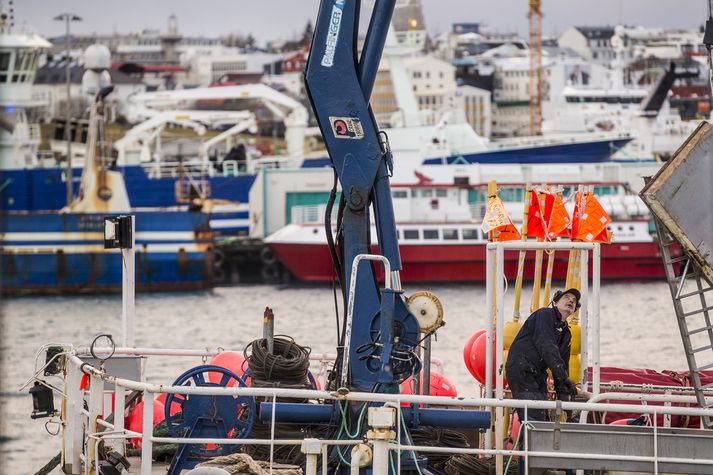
(688, 291)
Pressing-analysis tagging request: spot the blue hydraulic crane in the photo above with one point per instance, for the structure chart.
(339, 85)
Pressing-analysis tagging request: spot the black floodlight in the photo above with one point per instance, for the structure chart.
(42, 401)
(118, 232)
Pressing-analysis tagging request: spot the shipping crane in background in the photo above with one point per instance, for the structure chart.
(534, 16)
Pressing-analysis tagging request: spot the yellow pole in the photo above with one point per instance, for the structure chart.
(550, 267)
(521, 257)
(534, 305)
(492, 236)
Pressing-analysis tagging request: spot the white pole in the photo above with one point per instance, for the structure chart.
(128, 289)
(147, 434)
(500, 314)
(119, 409)
(380, 463)
(490, 256)
(584, 322)
(595, 318)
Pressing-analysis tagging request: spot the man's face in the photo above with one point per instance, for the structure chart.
(567, 304)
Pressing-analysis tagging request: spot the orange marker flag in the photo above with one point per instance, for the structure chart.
(594, 220)
(497, 219)
(559, 219)
(535, 217)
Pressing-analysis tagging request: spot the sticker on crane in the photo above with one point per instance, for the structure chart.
(346, 128)
(332, 38)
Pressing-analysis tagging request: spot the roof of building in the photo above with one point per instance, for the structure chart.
(596, 32)
(54, 72)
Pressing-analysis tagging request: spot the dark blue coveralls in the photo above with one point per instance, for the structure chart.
(543, 342)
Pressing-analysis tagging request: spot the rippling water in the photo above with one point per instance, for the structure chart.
(638, 330)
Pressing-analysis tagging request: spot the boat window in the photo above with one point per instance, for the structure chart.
(398, 234)
(410, 233)
(511, 194)
(470, 234)
(441, 193)
(427, 193)
(631, 228)
(430, 234)
(450, 234)
(4, 61)
(399, 194)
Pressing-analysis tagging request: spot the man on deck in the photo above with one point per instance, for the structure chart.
(543, 342)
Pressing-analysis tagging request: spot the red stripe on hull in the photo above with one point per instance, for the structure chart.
(466, 263)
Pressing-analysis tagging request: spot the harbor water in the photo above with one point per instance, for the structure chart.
(638, 330)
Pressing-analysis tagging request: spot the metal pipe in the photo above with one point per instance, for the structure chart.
(311, 464)
(426, 366)
(350, 304)
(204, 352)
(380, 460)
(644, 398)
(268, 329)
(596, 324)
(489, 261)
(499, 340)
(147, 436)
(533, 246)
(381, 397)
(584, 323)
(128, 293)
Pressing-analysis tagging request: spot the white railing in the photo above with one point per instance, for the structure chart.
(84, 428)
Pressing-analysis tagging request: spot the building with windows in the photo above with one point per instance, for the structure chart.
(593, 43)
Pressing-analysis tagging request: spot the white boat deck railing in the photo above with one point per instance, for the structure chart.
(80, 450)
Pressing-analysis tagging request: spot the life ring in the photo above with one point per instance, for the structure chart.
(267, 257)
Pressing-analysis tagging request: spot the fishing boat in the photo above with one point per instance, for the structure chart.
(441, 240)
(62, 251)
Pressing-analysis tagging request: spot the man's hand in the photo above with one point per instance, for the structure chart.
(571, 388)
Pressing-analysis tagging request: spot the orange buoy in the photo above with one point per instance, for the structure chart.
(135, 421)
(468, 351)
(230, 360)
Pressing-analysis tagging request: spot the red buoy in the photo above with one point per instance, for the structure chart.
(478, 358)
(468, 351)
(440, 386)
(514, 428)
(135, 421)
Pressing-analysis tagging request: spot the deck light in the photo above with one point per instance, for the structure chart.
(117, 232)
(42, 401)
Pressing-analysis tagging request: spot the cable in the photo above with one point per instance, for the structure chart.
(287, 366)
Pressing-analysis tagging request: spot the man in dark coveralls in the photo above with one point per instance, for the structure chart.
(543, 342)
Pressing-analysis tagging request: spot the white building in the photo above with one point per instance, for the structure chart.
(208, 65)
(591, 42)
(477, 106)
(433, 82)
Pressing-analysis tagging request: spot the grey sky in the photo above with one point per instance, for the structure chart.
(269, 19)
